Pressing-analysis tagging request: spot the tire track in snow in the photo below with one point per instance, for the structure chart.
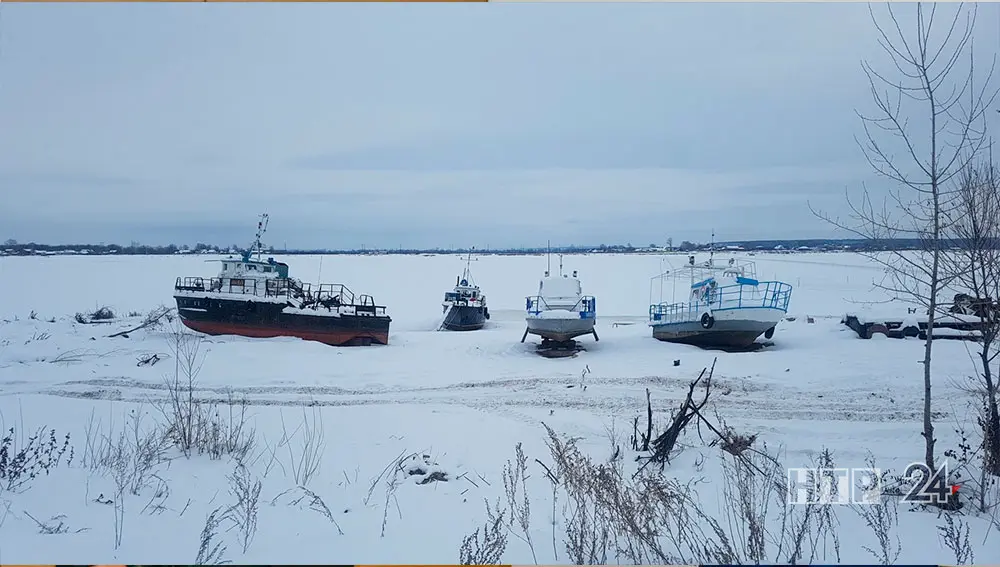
(735, 398)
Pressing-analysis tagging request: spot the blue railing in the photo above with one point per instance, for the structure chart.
(770, 295)
(586, 306)
(675, 312)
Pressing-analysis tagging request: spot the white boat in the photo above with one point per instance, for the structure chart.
(560, 312)
(727, 306)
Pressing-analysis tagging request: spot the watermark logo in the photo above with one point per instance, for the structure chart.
(929, 487)
(865, 486)
(834, 485)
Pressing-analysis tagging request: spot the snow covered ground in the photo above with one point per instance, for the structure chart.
(345, 441)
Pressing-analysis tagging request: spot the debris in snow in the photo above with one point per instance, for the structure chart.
(152, 320)
(100, 315)
(663, 444)
(424, 469)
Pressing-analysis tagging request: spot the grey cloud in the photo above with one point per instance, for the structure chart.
(361, 123)
(62, 179)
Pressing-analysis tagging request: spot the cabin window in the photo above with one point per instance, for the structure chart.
(225, 266)
(267, 270)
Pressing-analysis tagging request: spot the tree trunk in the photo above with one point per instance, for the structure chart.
(991, 428)
(928, 422)
(931, 318)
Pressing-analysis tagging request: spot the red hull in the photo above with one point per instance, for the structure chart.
(332, 337)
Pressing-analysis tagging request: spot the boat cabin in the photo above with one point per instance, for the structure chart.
(463, 292)
(562, 292)
(708, 289)
(245, 268)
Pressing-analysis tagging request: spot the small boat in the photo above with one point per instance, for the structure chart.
(257, 298)
(560, 312)
(728, 307)
(465, 305)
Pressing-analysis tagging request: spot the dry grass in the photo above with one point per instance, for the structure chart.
(611, 516)
(486, 545)
(197, 427)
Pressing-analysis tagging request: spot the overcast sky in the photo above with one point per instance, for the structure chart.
(431, 125)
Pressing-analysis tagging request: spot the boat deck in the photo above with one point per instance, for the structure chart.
(765, 295)
(297, 294)
(539, 307)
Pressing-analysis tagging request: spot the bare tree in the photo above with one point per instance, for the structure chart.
(930, 87)
(975, 265)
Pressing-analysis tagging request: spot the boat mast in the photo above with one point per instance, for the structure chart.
(711, 249)
(261, 229)
(467, 274)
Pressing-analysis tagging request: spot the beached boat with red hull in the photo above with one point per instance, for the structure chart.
(257, 298)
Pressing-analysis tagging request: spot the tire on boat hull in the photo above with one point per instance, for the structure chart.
(707, 321)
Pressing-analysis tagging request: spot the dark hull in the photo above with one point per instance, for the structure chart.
(266, 320)
(465, 318)
(724, 334)
(717, 339)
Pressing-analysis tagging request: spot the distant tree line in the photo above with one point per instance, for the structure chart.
(12, 247)
(15, 247)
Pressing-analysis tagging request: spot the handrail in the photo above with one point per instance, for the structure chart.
(328, 295)
(535, 304)
(770, 294)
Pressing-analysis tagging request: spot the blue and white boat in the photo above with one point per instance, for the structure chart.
(727, 306)
(560, 312)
